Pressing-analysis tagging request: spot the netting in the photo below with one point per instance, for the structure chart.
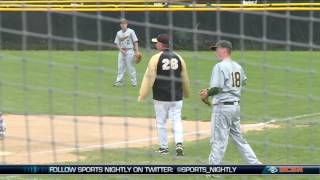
(57, 71)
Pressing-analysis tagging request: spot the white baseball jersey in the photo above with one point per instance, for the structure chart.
(126, 39)
(229, 76)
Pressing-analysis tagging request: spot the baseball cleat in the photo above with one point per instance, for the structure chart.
(163, 150)
(2, 133)
(2, 136)
(213, 176)
(117, 84)
(179, 149)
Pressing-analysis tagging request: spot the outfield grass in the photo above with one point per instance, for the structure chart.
(281, 84)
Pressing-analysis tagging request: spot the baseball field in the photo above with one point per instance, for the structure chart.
(60, 106)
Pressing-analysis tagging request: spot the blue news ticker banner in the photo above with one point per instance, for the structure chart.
(161, 169)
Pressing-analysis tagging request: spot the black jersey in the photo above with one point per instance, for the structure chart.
(167, 76)
(168, 84)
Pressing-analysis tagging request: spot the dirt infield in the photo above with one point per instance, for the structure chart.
(41, 139)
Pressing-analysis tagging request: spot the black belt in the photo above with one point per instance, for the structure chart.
(230, 103)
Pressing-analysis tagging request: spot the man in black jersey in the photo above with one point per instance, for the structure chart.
(167, 76)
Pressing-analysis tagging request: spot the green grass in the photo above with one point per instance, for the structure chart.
(296, 146)
(289, 144)
(280, 84)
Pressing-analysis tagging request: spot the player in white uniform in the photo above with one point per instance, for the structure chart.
(227, 80)
(127, 43)
(2, 127)
(167, 76)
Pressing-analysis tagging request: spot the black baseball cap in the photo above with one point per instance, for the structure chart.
(221, 44)
(163, 38)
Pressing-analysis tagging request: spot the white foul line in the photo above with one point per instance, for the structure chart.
(86, 148)
(293, 117)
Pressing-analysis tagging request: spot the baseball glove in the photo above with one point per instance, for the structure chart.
(137, 57)
(204, 96)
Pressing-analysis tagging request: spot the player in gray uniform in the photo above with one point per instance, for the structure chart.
(127, 43)
(227, 80)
